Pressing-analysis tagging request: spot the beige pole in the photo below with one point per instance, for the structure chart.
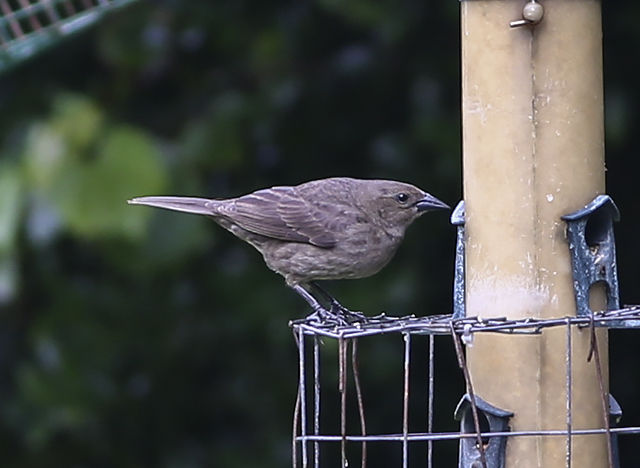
(532, 114)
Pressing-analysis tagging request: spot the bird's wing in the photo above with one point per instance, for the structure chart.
(281, 213)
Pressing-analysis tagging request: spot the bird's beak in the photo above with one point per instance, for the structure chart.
(431, 203)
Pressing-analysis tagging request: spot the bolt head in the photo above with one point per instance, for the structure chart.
(533, 12)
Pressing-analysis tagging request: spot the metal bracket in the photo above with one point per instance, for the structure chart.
(497, 420)
(593, 251)
(457, 219)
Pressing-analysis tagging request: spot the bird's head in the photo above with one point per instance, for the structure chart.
(395, 205)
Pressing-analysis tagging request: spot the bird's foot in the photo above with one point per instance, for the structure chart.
(338, 310)
(337, 316)
(349, 316)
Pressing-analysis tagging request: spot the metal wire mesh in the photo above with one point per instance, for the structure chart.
(310, 438)
(30, 26)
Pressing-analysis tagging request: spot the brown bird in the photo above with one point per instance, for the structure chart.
(325, 229)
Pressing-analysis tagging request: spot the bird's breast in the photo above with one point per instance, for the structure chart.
(371, 249)
(358, 253)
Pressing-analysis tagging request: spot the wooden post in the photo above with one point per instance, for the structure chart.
(533, 135)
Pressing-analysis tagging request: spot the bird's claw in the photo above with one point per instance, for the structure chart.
(349, 316)
(338, 316)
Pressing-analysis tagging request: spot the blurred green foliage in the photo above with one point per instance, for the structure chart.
(133, 337)
(84, 169)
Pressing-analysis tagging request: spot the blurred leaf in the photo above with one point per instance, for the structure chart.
(77, 120)
(94, 198)
(43, 220)
(87, 171)
(10, 205)
(11, 190)
(44, 155)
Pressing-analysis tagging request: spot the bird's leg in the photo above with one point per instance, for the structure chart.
(342, 316)
(318, 310)
(337, 308)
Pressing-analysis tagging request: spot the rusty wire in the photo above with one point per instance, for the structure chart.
(569, 392)
(356, 381)
(440, 324)
(464, 328)
(604, 395)
(462, 363)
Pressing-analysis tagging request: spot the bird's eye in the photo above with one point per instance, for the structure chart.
(402, 197)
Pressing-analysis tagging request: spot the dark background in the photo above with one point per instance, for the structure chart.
(134, 337)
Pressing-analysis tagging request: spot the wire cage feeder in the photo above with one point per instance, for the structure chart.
(28, 27)
(484, 429)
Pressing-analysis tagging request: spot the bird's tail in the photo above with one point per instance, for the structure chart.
(193, 205)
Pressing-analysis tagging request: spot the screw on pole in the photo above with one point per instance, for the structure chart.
(532, 14)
